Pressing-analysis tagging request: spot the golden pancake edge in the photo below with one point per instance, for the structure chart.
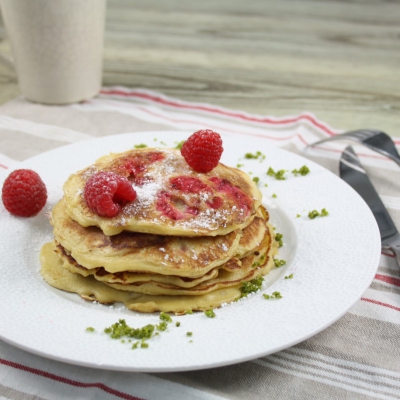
(195, 257)
(172, 199)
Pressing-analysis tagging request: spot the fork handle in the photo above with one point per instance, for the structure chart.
(348, 136)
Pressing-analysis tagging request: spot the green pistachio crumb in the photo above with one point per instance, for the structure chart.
(188, 312)
(289, 276)
(255, 156)
(279, 263)
(210, 313)
(189, 333)
(90, 329)
(251, 287)
(239, 165)
(274, 196)
(298, 216)
(179, 145)
(165, 317)
(120, 329)
(278, 175)
(314, 213)
(279, 239)
(324, 212)
(256, 179)
(162, 326)
(177, 323)
(304, 170)
(270, 172)
(274, 295)
(140, 146)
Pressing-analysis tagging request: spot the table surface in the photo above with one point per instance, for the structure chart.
(338, 60)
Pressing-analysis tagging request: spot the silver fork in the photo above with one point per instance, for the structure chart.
(375, 140)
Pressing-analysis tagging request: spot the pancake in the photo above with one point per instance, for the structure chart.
(129, 277)
(188, 241)
(255, 240)
(145, 253)
(172, 199)
(93, 290)
(231, 274)
(258, 263)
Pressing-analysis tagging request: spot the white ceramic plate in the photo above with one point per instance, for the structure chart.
(332, 259)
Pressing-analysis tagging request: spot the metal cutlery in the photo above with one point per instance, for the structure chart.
(352, 172)
(375, 140)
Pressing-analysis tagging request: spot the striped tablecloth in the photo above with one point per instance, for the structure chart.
(358, 357)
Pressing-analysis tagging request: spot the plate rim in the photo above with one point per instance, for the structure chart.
(106, 139)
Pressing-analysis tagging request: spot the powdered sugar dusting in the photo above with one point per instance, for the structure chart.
(89, 172)
(147, 193)
(208, 219)
(160, 202)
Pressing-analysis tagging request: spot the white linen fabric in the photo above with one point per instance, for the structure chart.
(358, 357)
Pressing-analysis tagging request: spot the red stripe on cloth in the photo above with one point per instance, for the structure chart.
(220, 128)
(67, 381)
(283, 121)
(379, 303)
(388, 279)
(215, 110)
(387, 254)
(360, 154)
(3, 166)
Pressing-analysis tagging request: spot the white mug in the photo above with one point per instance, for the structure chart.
(57, 47)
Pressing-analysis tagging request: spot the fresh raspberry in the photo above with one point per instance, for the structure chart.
(106, 192)
(24, 194)
(202, 150)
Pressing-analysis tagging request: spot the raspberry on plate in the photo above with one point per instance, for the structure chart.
(203, 150)
(106, 192)
(24, 194)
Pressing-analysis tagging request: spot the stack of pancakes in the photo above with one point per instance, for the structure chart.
(187, 242)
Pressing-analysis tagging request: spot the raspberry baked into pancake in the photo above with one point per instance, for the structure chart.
(171, 198)
(160, 230)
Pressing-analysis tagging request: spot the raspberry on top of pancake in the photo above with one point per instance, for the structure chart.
(172, 199)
